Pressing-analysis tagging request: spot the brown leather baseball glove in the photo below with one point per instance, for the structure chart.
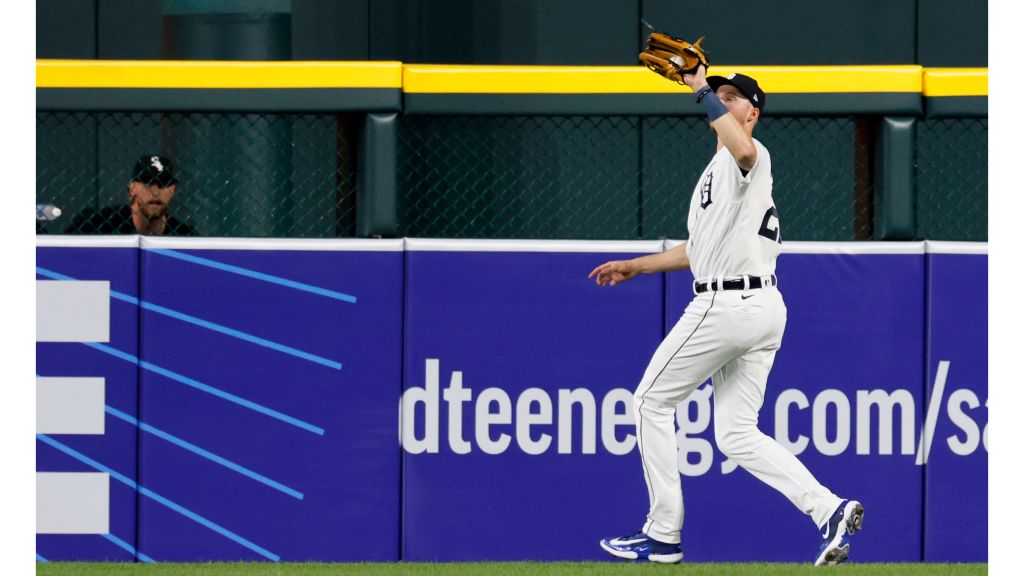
(673, 57)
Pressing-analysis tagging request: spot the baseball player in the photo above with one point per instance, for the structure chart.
(729, 332)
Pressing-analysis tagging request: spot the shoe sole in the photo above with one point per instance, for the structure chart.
(856, 520)
(656, 558)
(854, 524)
(836, 556)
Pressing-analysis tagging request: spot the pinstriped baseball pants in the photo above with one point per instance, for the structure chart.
(730, 336)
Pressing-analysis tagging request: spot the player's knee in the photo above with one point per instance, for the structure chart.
(649, 403)
(735, 440)
(656, 394)
(642, 389)
(641, 394)
(638, 396)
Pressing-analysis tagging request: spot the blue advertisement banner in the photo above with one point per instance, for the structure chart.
(274, 376)
(956, 475)
(275, 400)
(115, 451)
(517, 412)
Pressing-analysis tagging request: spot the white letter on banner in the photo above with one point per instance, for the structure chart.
(485, 418)
(612, 417)
(588, 433)
(782, 404)
(427, 396)
(72, 503)
(455, 395)
(885, 402)
(70, 405)
(820, 424)
(701, 400)
(964, 422)
(72, 311)
(525, 418)
(984, 433)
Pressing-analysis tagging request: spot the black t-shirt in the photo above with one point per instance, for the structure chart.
(118, 220)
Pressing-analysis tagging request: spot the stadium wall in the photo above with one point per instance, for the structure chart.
(388, 149)
(281, 400)
(566, 32)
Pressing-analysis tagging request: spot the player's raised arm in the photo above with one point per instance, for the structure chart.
(732, 116)
(617, 271)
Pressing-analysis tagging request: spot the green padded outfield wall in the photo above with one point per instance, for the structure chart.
(794, 32)
(561, 32)
(66, 29)
(545, 32)
(945, 23)
(130, 29)
(639, 197)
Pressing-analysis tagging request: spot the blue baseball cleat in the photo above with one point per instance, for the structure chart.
(846, 520)
(641, 548)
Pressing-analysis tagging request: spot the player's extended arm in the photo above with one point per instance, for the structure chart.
(728, 129)
(617, 271)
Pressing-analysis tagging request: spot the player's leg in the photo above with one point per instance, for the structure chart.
(739, 393)
(691, 352)
(739, 388)
(686, 358)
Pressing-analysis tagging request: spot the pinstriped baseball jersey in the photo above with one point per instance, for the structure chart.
(733, 223)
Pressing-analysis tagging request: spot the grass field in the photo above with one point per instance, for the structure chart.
(496, 569)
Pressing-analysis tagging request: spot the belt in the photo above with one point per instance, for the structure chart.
(742, 283)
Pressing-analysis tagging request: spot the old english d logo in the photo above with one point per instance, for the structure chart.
(705, 191)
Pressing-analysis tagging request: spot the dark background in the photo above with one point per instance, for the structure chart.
(561, 32)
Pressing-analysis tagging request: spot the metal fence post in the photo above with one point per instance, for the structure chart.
(377, 187)
(894, 170)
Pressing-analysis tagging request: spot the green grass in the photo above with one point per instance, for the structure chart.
(495, 569)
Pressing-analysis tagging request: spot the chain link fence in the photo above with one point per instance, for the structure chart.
(611, 177)
(581, 177)
(246, 175)
(519, 177)
(952, 179)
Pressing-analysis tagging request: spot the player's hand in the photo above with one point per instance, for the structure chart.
(696, 80)
(614, 272)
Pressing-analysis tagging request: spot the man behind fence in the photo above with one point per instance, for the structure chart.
(150, 191)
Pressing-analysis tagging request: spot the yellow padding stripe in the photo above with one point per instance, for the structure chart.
(956, 82)
(215, 74)
(450, 79)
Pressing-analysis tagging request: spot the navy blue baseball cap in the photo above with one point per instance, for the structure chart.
(153, 168)
(745, 84)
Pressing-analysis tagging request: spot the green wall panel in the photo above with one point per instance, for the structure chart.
(952, 33)
(65, 29)
(793, 32)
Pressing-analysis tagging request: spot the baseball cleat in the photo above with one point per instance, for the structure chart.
(639, 547)
(847, 519)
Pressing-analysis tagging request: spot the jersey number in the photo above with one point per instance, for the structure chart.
(773, 234)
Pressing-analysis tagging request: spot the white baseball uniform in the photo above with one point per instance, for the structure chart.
(730, 336)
